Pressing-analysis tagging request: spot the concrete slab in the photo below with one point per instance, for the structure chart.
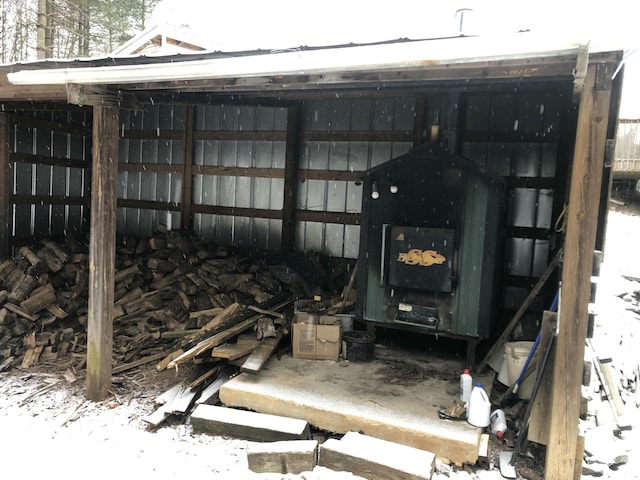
(395, 397)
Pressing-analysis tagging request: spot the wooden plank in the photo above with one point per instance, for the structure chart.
(260, 356)
(236, 211)
(376, 459)
(327, 217)
(540, 421)
(6, 219)
(288, 456)
(290, 181)
(253, 172)
(211, 394)
(137, 363)
(186, 220)
(247, 425)
(232, 351)
(102, 251)
(53, 161)
(581, 226)
(214, 341)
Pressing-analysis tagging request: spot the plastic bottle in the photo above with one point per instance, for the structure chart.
(466, 384)
(498, 423)
(479, 407)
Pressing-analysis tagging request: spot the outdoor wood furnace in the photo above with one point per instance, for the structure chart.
(430, 244)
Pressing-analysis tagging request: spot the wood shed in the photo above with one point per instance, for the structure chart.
(268, 150)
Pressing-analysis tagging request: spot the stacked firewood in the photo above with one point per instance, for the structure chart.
(167, 288)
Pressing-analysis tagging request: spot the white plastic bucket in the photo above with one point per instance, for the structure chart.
(515, 355)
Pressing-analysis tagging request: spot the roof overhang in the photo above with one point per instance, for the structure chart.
(461, 59)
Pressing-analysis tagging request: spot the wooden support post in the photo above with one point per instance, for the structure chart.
(290, 180)
(5, 214)
(186, 220)
(102, 251)
(582, 218)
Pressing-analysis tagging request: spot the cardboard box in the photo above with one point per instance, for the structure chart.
(316, 337)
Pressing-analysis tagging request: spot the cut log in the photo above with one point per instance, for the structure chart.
(376, 459)
(292, 456)
(40, 299)
(33, 259)
(23, 288)
(261, 427)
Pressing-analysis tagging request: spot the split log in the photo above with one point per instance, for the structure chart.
(39, 265)
(23, 288)
(40, 299)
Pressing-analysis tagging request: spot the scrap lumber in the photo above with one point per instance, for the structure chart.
(609, 387)
(178, 400)
(259, 357)
(211, 394)
(376, 459)
(213, 341)
(229, 422)
(232, 351)
(287, 456)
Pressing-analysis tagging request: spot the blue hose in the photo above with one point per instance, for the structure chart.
(554, 305)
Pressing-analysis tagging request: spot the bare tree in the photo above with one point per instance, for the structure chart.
(68, 28)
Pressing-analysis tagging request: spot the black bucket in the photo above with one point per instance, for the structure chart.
(358, 345)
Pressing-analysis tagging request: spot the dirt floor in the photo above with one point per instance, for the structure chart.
(49, 428)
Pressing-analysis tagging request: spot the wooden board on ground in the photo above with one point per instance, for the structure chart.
(232, 351)
(177, 400)
(376, 459)
(247, 425)
(260, 356)
(289, 456)
(210, 394)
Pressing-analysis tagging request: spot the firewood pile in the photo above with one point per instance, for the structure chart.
(171, 294)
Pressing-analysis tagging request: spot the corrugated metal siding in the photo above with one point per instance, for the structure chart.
(33, 179)
(344, 115)
(526, 126)
(150, 186)
(239, 191)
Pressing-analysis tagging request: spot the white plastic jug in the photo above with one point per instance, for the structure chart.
(479, 408)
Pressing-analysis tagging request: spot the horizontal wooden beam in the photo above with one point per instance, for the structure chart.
(245, 135)
(21, 199)
(149, 167)
(53, 161)
(337, 175)
(238, 171)
(237, 211)
(149, 205)
(359, 136)
(49, 125)
(328, 217)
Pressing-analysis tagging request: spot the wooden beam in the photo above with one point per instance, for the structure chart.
(186, 220)
(582, 218)
(290, 180)
(102, 251)
(5, 214)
